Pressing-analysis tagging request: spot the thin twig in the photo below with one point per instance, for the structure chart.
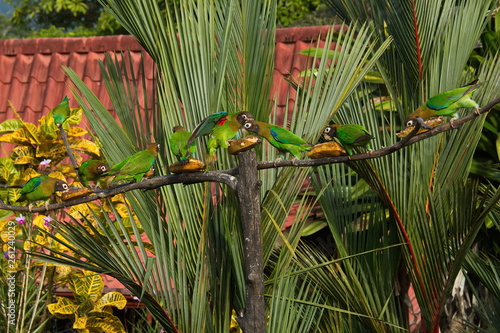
(10, 186)
(64, 137)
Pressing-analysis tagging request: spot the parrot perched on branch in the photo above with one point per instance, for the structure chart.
(221, 127)
(91, 170)
(41, 188)
(179, 146)
(280, 138)
(349, 135)
(445, 104)
(61, 112)
(136, 166)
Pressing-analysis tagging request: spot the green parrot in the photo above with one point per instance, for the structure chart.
(445, 104)
(61, 112)
(91, 170)
(349, 135)
(178, 144)
(282, 139)
(134, 167)
(41, 188)
(221, 127)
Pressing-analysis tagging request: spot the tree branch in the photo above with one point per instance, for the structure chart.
(406, 141)
(252, 318)
(64, 137)
(150, 184)
(227, 176)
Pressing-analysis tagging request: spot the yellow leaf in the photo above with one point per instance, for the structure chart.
(27, 175)
(25, 160)
(54, 151)
(65, 168)
(58, 175)
(113, 298)
(22, 151)
(90, 286)
(75, 116)
(80, 323)
(10, 125)
(85, 210)
(59, 246)
(14, 138)
(47, 127)
(8, 171)
(39, 221)
(122, 210)
(63, 272)
(77, 131)
(85, 146)
(64, 308)
(30, 131)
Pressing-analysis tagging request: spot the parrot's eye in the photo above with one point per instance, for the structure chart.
(410, 123)
(65, 186)
(247, 125)
(328, 129)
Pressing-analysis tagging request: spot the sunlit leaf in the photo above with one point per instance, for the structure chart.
(77, 131)
(8, 171)
(10, 125)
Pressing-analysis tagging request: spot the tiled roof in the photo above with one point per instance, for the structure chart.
(32, 78)
(33, 81)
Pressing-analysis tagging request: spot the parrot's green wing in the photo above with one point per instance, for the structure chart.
(31, 185)
(116, 168)
(138, 163)
(353, 133)
(284, 136)
(447, 98)
(206, 126)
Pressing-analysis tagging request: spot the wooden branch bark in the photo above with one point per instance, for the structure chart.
(248, 191)
(150, 184)
(64, 137)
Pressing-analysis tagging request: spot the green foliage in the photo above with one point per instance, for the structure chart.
(58, 18)
(289, 12)
(85, 18)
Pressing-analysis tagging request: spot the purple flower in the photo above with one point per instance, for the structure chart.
(45, 163)
(21, 219)
(47, 220)
(6, 255)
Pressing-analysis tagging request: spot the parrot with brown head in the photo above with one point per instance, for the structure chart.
(349, 136)
(445, 104)
(280, 138)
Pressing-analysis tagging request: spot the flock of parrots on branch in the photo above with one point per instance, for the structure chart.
(221, 127)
